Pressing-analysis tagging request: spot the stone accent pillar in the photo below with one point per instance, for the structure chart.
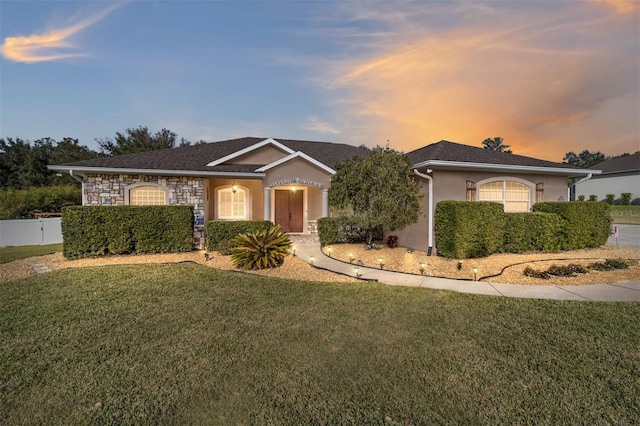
(267, 203)
(325, 202)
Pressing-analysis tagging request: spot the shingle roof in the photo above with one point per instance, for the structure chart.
(196, 157)
(455, 152)
(627, 163)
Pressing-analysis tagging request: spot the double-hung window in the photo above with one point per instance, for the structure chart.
(232, 203)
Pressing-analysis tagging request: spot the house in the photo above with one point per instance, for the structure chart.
(619, 174)
(287, 181)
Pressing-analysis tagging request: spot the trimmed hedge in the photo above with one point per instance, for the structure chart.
(584, 225)
(222, 232)
(469, 229)
(90, 231)
(344, 229)
(532, 232)
(23, 203)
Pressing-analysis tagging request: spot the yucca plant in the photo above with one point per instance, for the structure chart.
(260, 249)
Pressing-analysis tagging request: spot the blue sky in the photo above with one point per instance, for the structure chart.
(547, 76)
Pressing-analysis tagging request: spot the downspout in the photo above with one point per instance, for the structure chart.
(81, 180)
(584, 179)
(430, 215)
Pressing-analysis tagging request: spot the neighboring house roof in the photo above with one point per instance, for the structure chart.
(195, 159)
(627, 163)
(445, 154)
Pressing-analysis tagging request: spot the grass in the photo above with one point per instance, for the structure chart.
(9, 254)
(625, 215)
(187, 344)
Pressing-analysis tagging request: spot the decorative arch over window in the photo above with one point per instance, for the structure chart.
(146, 194)
(232, 202)
(514, 193)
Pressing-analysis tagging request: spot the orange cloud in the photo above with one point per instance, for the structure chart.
(522, 82)
(50, 46)
(623, 7)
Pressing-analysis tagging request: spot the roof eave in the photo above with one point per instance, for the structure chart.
(163, 172)
(504, 167)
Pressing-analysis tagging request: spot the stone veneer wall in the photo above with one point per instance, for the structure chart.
(109, 190)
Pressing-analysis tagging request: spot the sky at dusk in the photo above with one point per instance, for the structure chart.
(547, 76)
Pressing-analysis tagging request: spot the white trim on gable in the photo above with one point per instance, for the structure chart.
(298, 154)
(269, 141)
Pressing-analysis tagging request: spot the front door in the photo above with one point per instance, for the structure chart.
(289, 205)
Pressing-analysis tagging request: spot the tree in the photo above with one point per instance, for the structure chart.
(68, 150)
(585, 159)
(23, 165)
(496, 144)
(137, 140)
(378, 190)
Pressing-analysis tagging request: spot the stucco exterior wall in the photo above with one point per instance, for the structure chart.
(451, 185)
(603, 185)
(265, 155)
(111, 190)
(300, 170)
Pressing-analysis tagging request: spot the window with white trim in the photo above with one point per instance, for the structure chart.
(515, 196)
(232, 204)
(147, 196)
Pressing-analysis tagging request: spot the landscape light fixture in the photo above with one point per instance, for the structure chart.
(311, 259)
(356, 272)
(330, 250)
(350, 257)
(206, 257)
(381, 262)
(475, 274)
(422, 265)
(293, 249)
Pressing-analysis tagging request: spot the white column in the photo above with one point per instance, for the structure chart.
(325, 202)
(267, 203)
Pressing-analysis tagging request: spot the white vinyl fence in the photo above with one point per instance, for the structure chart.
(28, 232)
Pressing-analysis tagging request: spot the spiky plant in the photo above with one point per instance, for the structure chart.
(260, 249)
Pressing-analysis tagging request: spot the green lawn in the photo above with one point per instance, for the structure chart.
(187, 344)
(625, 215)
(9, 254)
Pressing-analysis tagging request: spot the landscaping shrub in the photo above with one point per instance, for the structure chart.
(573, 269)
(469, 229)
(531, 232)
(593, 197)
(611, 198)
(261, 249)
(391, 241)
(344, 229)
(584, 225)
(220, 233)
(625, 198)
(610, 265)
(23, 203)
(100, 230)
(580, 197)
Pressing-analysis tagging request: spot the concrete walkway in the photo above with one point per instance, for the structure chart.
(308, 249)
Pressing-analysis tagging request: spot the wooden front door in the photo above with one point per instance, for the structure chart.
(289, 213)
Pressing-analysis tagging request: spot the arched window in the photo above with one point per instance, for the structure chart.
(147, 195)
(232, 203)
(515, 195)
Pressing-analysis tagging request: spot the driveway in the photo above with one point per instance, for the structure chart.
(628, 236)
